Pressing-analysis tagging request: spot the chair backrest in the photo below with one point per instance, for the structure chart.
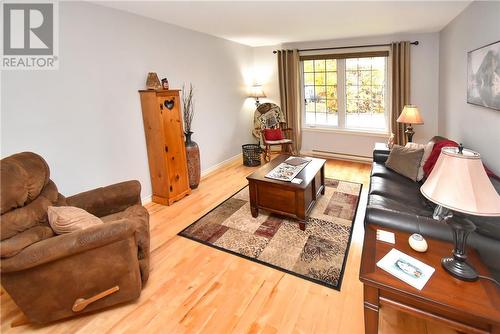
(267, 116)
(26, 193)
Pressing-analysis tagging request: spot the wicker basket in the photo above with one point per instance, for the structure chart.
(251, 154)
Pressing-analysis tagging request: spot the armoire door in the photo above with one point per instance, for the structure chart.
(174, 145)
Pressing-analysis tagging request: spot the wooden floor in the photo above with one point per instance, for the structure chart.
(198, 289)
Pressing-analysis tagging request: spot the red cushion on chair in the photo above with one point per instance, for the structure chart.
(273, 134)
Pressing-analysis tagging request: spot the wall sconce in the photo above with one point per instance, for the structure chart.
(256, 92)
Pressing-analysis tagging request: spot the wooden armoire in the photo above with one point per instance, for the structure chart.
(161, 113)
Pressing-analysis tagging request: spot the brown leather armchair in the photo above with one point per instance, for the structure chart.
(50, 276)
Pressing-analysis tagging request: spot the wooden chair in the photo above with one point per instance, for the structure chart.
(270, 116)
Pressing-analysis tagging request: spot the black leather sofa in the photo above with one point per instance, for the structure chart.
(395, 201)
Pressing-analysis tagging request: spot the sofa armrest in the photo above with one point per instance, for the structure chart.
(380, 156)
(108, 200)
(69, 244)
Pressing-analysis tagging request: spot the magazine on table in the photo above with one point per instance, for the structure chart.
(287, 172)
(406, 268)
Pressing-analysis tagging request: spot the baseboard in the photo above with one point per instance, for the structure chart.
(339, 156)
(204, 174)
(207, 172)
(147, 199)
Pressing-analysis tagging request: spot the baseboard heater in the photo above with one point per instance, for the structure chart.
(343, 156)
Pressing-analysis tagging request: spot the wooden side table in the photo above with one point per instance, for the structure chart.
(381, 147)
(469, 307)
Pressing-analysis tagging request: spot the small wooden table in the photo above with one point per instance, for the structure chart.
(286, 198)
(469, 307)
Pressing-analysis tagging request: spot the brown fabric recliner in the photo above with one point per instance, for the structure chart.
(49, 276)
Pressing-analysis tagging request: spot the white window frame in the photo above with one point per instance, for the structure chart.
(341, 96)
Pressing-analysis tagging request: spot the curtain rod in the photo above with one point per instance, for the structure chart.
(349, 47)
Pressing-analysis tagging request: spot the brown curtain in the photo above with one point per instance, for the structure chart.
(288, 73)
(400, 87)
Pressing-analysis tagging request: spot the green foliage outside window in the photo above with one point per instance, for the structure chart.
(364, 85)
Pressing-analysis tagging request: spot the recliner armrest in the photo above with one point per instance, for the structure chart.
(108, 200)
(65, 245)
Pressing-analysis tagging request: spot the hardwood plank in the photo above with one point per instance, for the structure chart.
(197, 289)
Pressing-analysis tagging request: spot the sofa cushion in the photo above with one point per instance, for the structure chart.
(410, 207)
(427, 152)
(384, 172)
(273, 134)
(405, 161)
(67, 219)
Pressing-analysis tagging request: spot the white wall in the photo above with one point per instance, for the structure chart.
(85, 118)
(424, 92)
(265, 71)
(476, 127)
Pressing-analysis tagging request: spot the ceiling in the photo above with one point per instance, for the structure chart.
(259, 23)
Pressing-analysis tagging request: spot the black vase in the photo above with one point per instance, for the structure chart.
(193, 160)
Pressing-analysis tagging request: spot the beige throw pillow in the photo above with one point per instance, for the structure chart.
(405, 161)
(67, 219)
(427, 152)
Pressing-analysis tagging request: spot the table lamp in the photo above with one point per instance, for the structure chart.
(410, 115)
(459, 182)
(256, 92)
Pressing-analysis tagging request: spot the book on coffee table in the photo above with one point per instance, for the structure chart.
(296, 161)
(286, 171)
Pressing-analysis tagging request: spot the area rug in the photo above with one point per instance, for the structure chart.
(318, 254)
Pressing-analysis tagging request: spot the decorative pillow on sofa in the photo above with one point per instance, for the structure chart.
(67, 219)
(427, 152)
(273, 134)
(405, 161)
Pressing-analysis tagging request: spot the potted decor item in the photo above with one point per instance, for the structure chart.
(152, 82)
(192, 149)
(164, 83)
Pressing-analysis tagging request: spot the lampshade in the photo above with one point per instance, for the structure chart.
(256, 91)
(410, 115)
(458, 182)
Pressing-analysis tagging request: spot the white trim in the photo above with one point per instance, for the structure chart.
(147, 199)
(347, 132)
(338, 156)
(205, 173)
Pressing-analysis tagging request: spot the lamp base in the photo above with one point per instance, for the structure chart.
(457, 265)
(459, 269)
(409, 133)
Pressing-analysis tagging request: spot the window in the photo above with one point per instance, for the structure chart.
(345, 92)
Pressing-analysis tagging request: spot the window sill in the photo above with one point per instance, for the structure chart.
(366, 133)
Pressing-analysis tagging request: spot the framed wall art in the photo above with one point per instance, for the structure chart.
(483, 76)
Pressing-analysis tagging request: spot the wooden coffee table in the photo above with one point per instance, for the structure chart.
(469, 307)
(286, 198)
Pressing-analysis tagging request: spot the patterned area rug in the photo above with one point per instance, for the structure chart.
(318, 254)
